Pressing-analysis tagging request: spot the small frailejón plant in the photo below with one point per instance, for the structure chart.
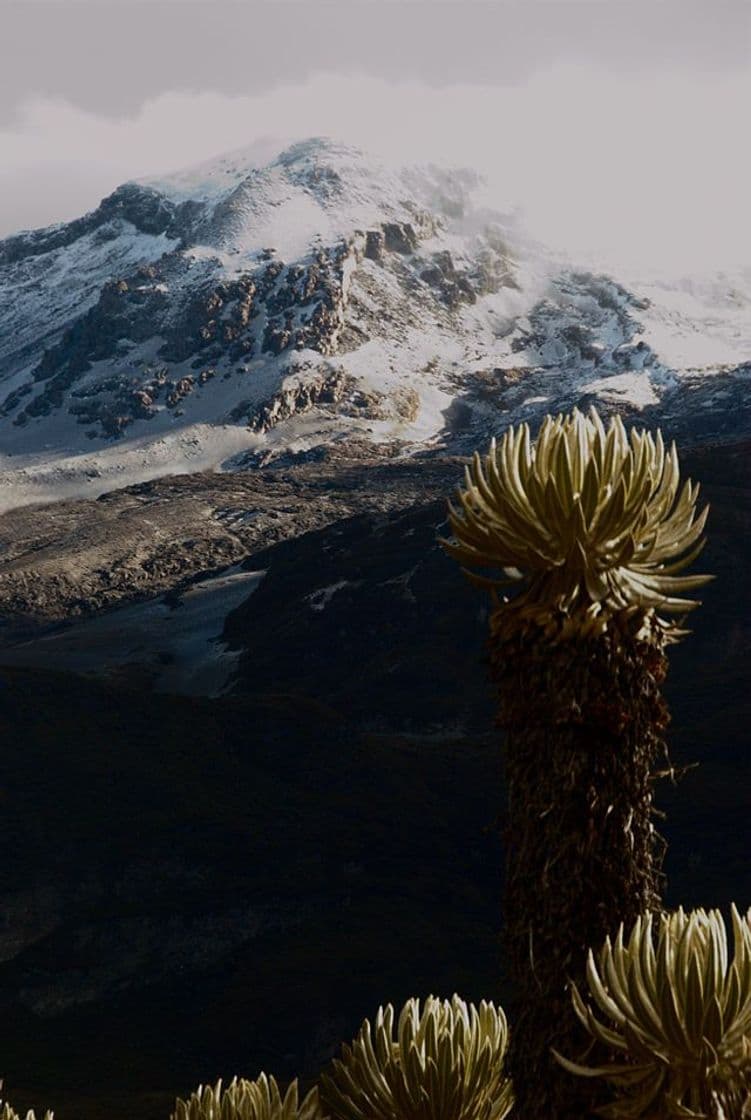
(7, 1112)
(677, 1013)
(444, 1063)
(592, 527)
(248, 1100)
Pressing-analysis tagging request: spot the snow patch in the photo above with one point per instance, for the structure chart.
(180, 643)
(29, 480)
(320, 599)
(634, 388)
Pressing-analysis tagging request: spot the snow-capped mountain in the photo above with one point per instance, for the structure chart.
(230, 313)
(335, 336)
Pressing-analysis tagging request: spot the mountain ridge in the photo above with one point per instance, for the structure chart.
(279, 307)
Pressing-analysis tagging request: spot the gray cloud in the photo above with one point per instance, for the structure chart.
(646, 166)
(615, 124)
(108, 56)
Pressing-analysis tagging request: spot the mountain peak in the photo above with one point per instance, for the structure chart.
(213, 178)
(275, 300)
(318, 148)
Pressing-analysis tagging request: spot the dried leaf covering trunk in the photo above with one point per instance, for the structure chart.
(595, 531)
(584, 721)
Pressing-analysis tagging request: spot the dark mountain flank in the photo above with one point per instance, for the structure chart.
(194, 887)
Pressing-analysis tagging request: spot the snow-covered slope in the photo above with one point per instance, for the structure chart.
(234, 312)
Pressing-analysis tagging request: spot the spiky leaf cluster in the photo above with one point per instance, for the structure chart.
(9, 1113)
(248, 1100)
(678, 1012)
(442, 1063)
(591, 521)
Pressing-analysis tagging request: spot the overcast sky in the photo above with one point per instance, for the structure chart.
(621, 123)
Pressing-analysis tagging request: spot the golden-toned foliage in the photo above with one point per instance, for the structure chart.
(678, 1012)
(248, 1100)
(445, 1063)
(590, 520)
(7, 1112)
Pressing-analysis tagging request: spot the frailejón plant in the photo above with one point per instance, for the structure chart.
(442, 1063)
(248, 1100)
(678, 1012)
(588, 521)
(590, 529)
(7, 1112)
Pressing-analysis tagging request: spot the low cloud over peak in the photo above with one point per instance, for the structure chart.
(648, 169)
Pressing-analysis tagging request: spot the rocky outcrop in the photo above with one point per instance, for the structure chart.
(332, 390)
(127, 312)
(586, 320)
(300, 395)
(400, 237)
(145, 208)
(216, 320)
(375, 244)
(35, 243)
(454, 287)
(117, 319)
(203, 322)
(188, 308)
(491, 270)
(306, 305)
(116, 402)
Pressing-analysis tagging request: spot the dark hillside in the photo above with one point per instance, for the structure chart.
(193, 888)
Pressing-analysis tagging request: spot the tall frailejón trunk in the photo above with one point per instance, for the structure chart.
(583, 722)
(591, 527)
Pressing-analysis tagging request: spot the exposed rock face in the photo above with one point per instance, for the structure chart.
(168, 286)
(182, 305)
(454, 287)
(143, 207)
(375, 245)
(216, 319)
(306, 308)
(125, 310)
(303, 308)
(399, 238)
(146, 209)
(300, 396)
(587, 321)
(331, 390)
